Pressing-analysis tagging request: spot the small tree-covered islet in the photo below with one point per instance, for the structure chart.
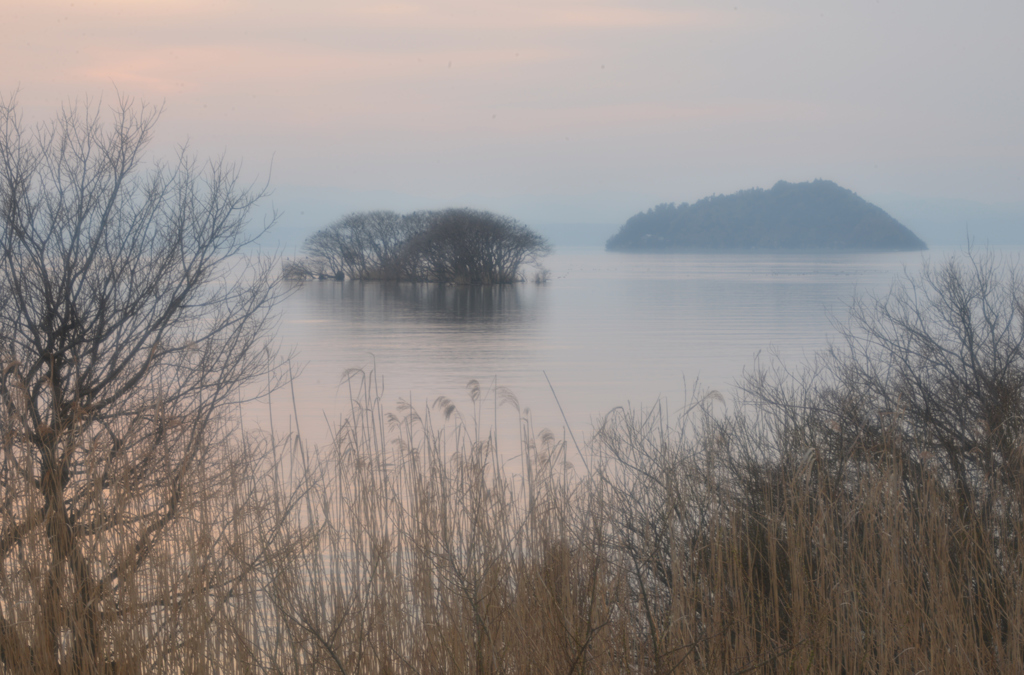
(457, 246)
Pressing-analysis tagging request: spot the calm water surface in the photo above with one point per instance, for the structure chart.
(609, 329)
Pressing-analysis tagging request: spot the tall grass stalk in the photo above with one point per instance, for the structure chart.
(694, 545)
(707, 543)
(821, 522)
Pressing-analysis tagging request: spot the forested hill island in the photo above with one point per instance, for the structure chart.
(817, 215)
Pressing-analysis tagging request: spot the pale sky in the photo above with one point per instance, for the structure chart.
(552, 111)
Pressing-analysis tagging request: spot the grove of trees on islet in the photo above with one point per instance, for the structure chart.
(453, 246)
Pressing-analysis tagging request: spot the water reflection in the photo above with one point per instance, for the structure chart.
(607, 330)
(499, 307)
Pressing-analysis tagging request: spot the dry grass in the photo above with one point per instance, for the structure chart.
(408, 547)
(685, 549)
(798, 530)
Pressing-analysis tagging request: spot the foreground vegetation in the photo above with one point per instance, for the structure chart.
(863, 514)
(860, 514)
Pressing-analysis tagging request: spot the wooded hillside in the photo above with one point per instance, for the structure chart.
(815, 215)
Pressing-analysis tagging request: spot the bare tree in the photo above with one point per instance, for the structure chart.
(378, 239)
(366, 245)
(130, 324)
(466, 246)
(328, 251)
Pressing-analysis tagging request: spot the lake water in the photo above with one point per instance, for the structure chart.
(608, 329)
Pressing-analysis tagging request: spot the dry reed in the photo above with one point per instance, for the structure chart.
(691, 546)
(801, 529)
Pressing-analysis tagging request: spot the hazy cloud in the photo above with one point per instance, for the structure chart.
(546, 107)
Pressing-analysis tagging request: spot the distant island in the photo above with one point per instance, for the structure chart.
(815, 215)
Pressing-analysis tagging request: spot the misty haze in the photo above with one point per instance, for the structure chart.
(577, 336)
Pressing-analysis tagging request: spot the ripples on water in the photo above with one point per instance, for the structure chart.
(609, 329)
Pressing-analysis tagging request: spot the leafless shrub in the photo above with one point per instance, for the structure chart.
(934, 370)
